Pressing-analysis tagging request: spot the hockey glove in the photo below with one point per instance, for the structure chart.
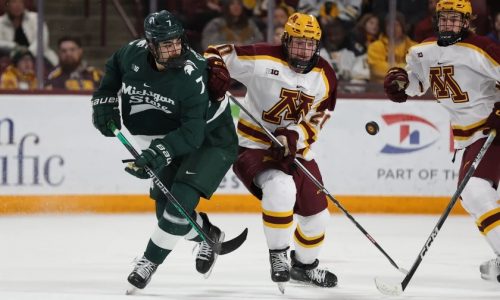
(395, 83)
(155, 157)
(493, 121)
(218, 78)
(288, 138)
(105, 109)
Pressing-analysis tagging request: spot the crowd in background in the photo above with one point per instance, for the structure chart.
(355, 36)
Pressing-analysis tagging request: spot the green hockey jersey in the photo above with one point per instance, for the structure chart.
(173, 103)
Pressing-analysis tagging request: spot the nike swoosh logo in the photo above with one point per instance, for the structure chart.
(147, 85)
(440, 63)
(190, 173)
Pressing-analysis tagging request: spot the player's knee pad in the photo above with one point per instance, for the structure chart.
(313, 225)
(278, 190)
(479, 197)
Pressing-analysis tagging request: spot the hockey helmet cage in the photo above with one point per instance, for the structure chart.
(301, 26)
(160, 27)
(464, 7)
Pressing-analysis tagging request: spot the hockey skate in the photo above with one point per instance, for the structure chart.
(310, 274)
(206, 257)
(141, 275)
(280, 268)
(490, 270)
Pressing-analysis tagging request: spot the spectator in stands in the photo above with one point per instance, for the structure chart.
(259, 7)
(425, 28)
(367, 31)
(18, 27)
(4, 60)
(20, 74)
(234, 27)
(194, 14)
(346, 10)
(73, 73)
(412, 10)
(495, 32)
(278, 34)
(337, 49)
(378, 51)
(281, 14)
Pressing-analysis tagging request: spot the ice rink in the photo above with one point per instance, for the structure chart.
(89, 257)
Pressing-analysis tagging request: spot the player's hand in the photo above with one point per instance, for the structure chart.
(218, 78)
(155, 157)
(288, 138)
(395, 83)
(104, 110)
(493, 121)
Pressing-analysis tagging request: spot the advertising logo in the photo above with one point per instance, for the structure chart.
(415, 133)
(21, 163)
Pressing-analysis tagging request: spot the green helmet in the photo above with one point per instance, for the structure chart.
(164, 26)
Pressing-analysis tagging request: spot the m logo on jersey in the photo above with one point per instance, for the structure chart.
(292, 106)
(415, 133)
(189, 67)
(443, 84)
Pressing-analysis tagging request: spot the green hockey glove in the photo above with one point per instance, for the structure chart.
(155, 157)
(105, 109)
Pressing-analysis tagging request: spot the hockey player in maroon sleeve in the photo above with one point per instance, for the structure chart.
(463, 71)
(290, 89)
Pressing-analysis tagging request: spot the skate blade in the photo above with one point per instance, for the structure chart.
(131, 290)
(493, 277)
(281, 287)
(206, 275)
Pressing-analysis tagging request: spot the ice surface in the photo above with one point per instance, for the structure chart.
(53, 257)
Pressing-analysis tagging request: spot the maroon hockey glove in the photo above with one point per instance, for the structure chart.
(218, 78)
(289, 140)
(493, 121)
(395, 83)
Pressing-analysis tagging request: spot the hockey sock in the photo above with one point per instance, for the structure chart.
(172, 225)
(192, 235)
(309, 236)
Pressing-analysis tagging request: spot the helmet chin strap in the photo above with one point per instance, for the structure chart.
(448, 38)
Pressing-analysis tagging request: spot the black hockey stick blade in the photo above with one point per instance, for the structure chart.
(231, 245)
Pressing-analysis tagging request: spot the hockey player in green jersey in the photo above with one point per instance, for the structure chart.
(189, 140)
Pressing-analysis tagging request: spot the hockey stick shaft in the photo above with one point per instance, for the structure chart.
(448, 209)
(318, 184)
(221, 248)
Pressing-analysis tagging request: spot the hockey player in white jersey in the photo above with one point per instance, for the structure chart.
(463, 71)
(290, 89)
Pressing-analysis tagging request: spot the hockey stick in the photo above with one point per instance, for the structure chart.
(318, 184)
(395, 290)
(217, 247)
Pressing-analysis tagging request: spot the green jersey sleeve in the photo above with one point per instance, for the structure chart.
(112, 79)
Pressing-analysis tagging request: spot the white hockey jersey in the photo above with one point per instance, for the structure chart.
(463, 77)
(278, 96)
